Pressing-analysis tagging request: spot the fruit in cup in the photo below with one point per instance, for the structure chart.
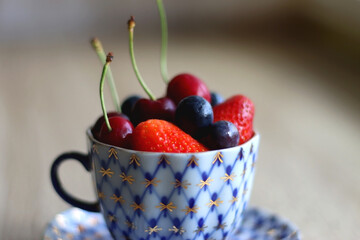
(128, 104)
(193, 115)
(240, 111)
(216, 99)
(95, 130)
(144, 109)
(122, 127)
(98, 48)
(118, 136)
(184, 85)
(221, 134)
(156, 135)
(217, 125)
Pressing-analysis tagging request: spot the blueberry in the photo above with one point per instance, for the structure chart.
(128, 104)
(221, 134)
(193, 115)
(216, 99)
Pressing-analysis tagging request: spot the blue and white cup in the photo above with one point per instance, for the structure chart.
(147, 195)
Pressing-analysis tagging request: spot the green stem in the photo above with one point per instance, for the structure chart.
(131, 24)
(97, 46)
(103, 74)
(164, 41)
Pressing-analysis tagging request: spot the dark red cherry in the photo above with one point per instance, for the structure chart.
(185, 85)
(118, 136)
(144, 109)
(97, 126)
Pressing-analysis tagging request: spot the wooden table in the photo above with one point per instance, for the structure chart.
(307, 112)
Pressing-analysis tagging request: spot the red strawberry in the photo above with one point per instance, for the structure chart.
(156, 135)
(240, 111)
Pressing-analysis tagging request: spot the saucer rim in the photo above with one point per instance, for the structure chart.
(296, 234)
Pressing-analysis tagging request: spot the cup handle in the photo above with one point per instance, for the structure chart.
(86, 162)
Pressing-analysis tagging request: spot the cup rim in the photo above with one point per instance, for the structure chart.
(92, 138)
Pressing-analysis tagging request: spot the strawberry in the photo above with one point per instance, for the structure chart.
(156, 135)
(240, 111)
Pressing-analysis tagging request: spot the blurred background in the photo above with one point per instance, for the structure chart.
(299, 61)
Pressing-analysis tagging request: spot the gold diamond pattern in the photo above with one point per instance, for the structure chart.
(151, 230)
(214, 203)
(218, 158)
(193, 160)
(149, 182)
(128, 179)
(108, 172)
(176, 230)
(163, 158)
(134, 160)
(169, 206)
(178, 184)
(188, 209)
(206, 182)
(118, 199)
(113, 152)
(228, 177)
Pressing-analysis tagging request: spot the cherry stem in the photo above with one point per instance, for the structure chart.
(97, 46)
(131, 25)
(108, 60)
(164, 41)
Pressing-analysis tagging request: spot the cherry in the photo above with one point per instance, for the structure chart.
(164, 41)
(184, 85)
(95, 130)
(122, 128)
(118, 136)
(193, 115)
(221, 134)
(98, 48)
(144, 109)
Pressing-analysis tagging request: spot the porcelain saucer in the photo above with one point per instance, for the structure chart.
(77, 224)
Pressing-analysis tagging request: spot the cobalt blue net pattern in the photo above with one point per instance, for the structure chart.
(162, 196)
(77, 224)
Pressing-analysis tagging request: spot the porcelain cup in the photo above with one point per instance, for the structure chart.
(147, 195)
